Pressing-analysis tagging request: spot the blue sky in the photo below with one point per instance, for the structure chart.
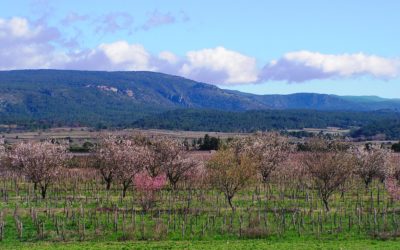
(264, 47)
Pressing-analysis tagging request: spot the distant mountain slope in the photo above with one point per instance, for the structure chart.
(309, 101)
(145, 88)
(323, 102)
(63, 97)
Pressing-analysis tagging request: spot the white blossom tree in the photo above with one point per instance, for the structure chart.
(330, 165)
(40, 162)
(371, 163)
(180, 169)
(131, 158)
(105, 159)
(268, 150)
(163, 151)
(2, 151)
(119, 159)
(4, 160)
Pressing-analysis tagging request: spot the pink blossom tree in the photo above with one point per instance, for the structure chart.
(168, 156)
(105, 158)
(163, 152)
(267, 149)
(147, 188)
(40, 162)
(393, 187)
(181, 169)
(131, 158)
(120, 159)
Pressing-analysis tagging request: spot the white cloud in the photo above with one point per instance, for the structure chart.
(346, 64)
(305, 65)
(25, 44)
(17, 28)
(231, 66)
(127, 56)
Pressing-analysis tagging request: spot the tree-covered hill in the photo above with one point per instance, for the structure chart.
(49, 98)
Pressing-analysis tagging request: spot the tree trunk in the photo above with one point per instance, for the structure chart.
(124, 189)
(173, 184)
(265, 177)
(367, 182)
(108, 183)
(44, 190)
(326, 204)
(229, 198)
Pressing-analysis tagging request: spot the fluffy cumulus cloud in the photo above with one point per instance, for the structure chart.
(127, 56)
(31, 45)
(219, 65)
(23, 45)
(119, 55)
(305, 65)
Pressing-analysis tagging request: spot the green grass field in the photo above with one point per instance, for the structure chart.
(260, 222)
(215, 244)
(80, 212)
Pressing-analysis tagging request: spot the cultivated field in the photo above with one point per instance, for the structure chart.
(254, 192)
(83, 133)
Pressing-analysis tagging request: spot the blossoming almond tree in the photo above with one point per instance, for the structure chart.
(170, 155)
(229, 172)
(267, 149)
(120, 159)
(270, 150)
(330, 165)
(2, 151)
(105, 158)
(392, 180)
(371, 163)
(180, 169)
(163, 152)
(147, 187)
(131, 158)
(40, 162)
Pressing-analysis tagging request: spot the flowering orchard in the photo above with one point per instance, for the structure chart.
(153, 188)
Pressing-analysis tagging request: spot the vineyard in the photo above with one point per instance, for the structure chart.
(140, 189)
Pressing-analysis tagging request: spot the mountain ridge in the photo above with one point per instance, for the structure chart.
(91, 97)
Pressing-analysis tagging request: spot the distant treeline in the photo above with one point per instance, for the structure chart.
(362, 124)
(372, 124)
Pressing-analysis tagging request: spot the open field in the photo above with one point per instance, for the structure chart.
(82, 134)
(79, 210)
(216, 244)
(329, 130)
(76, 216)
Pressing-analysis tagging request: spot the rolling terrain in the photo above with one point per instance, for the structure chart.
(54, 98)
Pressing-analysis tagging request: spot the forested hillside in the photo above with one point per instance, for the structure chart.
(50, 98)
